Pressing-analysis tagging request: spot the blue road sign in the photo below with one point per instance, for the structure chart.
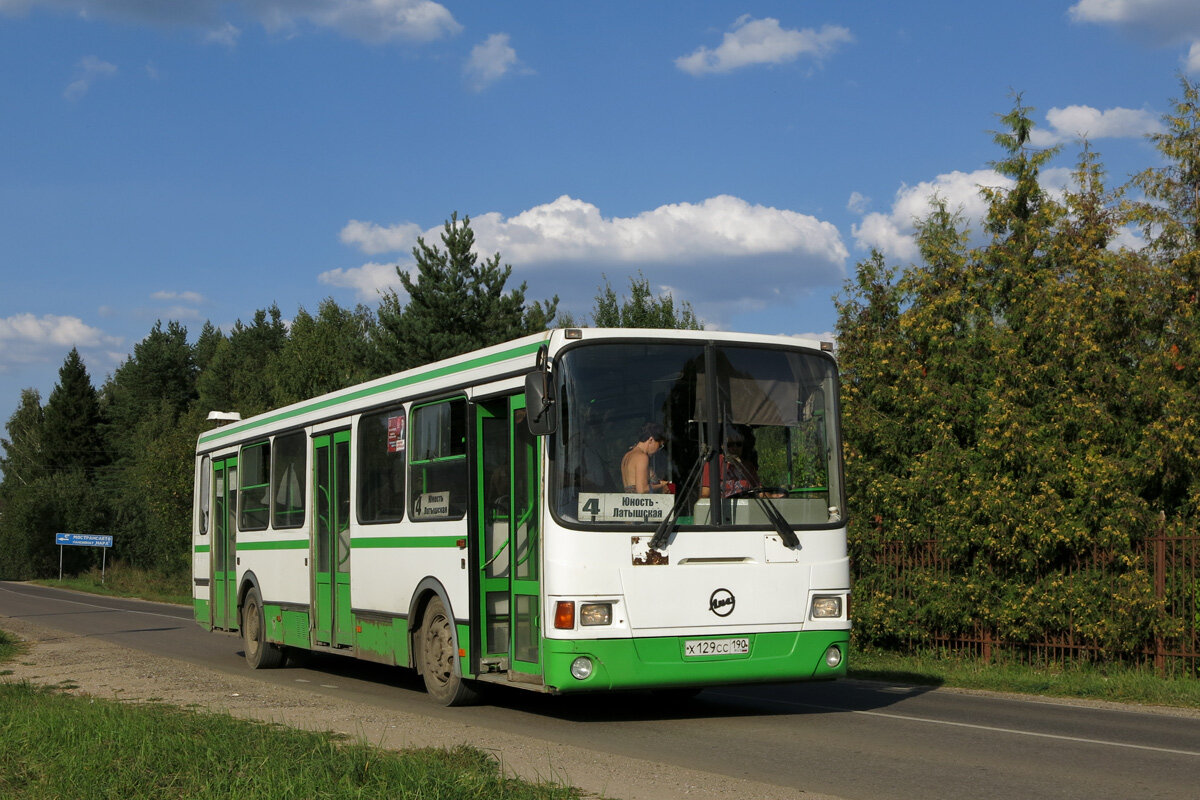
(83, 539)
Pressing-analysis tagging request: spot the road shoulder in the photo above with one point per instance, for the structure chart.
(84, 665)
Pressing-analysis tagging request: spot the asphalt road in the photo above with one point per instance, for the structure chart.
(857, 740)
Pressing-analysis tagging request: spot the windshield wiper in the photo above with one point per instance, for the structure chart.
(769, 509)
(667, 526)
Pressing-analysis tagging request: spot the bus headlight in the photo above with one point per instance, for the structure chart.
(581, 668)
(826, 606)
(595, 613)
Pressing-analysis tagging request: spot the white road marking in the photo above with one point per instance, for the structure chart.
(989, 728)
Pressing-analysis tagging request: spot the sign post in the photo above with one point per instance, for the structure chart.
(83, 540)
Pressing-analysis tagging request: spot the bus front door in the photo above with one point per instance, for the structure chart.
(224, 544)
(334, 625)
(509, 539)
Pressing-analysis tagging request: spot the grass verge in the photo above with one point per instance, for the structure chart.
(9, 647)
(1094, 682)
(122, 580)
(54, 745)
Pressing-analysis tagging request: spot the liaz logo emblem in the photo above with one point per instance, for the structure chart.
(721, 602)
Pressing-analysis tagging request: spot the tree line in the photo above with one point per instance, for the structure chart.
(118, 459)
(1030, 404)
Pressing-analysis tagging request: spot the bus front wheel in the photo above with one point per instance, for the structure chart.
(439, 660)
(260, 654)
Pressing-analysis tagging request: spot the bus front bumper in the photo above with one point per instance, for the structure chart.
(584, 665)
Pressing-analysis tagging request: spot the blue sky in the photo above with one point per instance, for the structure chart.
(203, 159)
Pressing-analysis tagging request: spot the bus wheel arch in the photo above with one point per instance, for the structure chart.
(260, 653)
(249, 581)
(434, 651)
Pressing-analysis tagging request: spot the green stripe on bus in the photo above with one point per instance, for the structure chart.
(286, 544)
(387, 542)
(318, 405)
(408, 541)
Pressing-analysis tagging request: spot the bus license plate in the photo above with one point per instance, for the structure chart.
(716, 647)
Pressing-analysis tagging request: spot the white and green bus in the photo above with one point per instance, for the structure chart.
(470, 519)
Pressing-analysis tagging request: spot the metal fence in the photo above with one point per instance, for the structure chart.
(1171, 644)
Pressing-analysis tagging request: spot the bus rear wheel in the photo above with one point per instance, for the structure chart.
(260, 654)
(439, 659)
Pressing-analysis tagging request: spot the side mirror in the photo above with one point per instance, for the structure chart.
(539, 398)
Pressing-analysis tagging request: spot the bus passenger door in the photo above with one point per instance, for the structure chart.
(224, 544)
(331, 564)
(509, 539)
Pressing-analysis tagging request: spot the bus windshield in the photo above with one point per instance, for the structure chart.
(729, 433)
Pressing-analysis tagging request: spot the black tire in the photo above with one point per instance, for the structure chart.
(260, 654)
(438, 660)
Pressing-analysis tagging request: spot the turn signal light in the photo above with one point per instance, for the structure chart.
(564, 615)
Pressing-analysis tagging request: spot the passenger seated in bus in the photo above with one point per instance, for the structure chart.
(635, 466)
(738, 476)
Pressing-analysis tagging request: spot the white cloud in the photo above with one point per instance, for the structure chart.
(367, 281)
(858, 203)
(893, 233)
(1191, 61)
(27, 338)
(763, 41)
(194, 298)
(225, 34)
(1167, 19)
(717, 228)
(1072, 122)
(369, 20)
(722, 255)
(1156, 22)
(372, 21)
(490, 61)
(91, 69)
(373, 239)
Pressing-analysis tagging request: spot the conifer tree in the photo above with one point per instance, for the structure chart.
(641, 309)
(239, 374)
(324, 353)
(161, 369)
(23, 461)
(71, 430)
(1171, 223)
(455, 304)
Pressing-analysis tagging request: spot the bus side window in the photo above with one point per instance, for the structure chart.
(382, 440)
(287, 481)
(437, 462)
(255, 494)
(202, 494)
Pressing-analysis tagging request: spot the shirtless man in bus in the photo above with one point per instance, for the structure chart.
(635, 466)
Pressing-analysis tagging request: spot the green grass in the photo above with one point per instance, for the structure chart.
(9, 648)
(53, 745)
(1094, 682)
(122, 580)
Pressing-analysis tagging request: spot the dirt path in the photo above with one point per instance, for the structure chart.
(97, 668)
